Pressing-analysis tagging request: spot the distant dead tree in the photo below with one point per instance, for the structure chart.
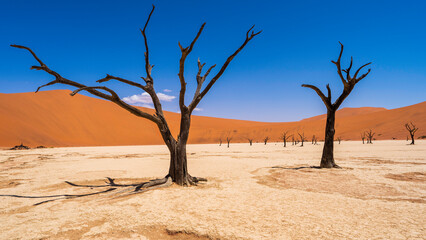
(302, 138)
(370, 134)
(314, 140)
(178, 170)
(250, 141)
(285, 137)
(265, 140)
(339, 139)
(229, 137)
(363, 137)
(220, 141)
(349, 82)
(293, 142)
(228, 140)
(20, 147)
(412, 129)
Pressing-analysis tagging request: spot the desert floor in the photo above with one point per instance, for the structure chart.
(257, 192)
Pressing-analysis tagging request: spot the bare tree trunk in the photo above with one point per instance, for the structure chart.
(327, 159)
(412, 139)
(178, 169)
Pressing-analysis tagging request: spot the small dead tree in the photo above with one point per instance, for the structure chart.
(293, 141)
(349, 82)
(363, 137)
(250, 141)
(339, 139)
(370, 134)
(412, 129)
(228, 140)
(220, 141)
(178, 170)
(302, 138)
(314, 140)
(285, 137)
(265, 140)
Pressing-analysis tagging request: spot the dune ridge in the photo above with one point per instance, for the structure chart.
(53, 119)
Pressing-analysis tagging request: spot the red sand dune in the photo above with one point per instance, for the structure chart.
(53, 118)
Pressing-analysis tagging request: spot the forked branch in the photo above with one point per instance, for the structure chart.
(249, 36)
(348, 82)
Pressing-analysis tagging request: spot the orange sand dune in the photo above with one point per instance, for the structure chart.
(53, 118)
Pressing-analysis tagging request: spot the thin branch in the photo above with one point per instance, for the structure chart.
(322, 96)
(359, 69)
(200, 79)
(328, 93)
(347, 71)
(92, 90)
(249, 36)
(110, 77)
(185, 52)
(114, 95)
(339, 68)
(148, 66)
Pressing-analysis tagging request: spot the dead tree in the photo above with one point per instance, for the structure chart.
(285, 137)
(220, 141)
(314, 140)
(178, 170)
(349, 82)
(302, 138)
(339, 139)
(363, 137)
(250, 141)
(370, 134)
(293, 140)
(412, 129)
(228, 140)
(265, 140)
(20, 147)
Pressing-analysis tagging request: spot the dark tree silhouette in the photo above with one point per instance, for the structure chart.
(412, 129)
(250, 141)
(349, 82)
(220, 141)
(265, 140)
(178, 170)
(302, 138)
(370, 134)
(363, 137)
(314, 140)
(339, 139)
(285, 137)
(228, 140)
(293, 141)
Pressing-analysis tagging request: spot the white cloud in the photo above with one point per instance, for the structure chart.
(198, 109)
(167, 90)
(165, 97)
(144, 100)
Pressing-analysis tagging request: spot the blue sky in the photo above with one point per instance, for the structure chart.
(84, 40)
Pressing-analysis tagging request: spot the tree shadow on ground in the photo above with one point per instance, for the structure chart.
(111, 185)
